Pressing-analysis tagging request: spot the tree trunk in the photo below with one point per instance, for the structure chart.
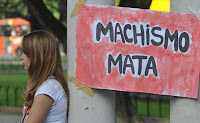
(125, 110)
(63, 9)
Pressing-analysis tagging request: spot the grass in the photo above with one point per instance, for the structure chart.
(14, 82)
(13, 78)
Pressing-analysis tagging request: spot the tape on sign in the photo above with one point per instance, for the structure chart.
(90, 92)
(75, 9)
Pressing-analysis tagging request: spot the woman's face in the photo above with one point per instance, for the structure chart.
(25, 61)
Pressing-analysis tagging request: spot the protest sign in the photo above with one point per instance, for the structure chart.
(138, 50)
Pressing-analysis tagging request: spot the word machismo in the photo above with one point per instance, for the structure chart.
(143, 35)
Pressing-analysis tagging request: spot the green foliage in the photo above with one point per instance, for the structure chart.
(12, 8)
(17, 8)
(53, 7)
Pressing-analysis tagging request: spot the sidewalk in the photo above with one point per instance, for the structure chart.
(10, 118)
(10, 114)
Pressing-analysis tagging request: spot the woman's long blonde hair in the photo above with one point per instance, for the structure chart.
(42, 49)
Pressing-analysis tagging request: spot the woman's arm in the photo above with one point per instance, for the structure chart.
(41, 105)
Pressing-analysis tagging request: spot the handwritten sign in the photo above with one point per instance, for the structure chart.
(138, 50)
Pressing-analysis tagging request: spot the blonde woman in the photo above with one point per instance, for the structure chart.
(46, 97)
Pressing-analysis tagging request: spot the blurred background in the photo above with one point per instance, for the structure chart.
(20, 17)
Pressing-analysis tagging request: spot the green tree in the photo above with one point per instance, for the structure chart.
(11, 9)
(47, 15)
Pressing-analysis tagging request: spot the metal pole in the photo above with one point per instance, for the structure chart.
(183, 110)
(83, 108)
